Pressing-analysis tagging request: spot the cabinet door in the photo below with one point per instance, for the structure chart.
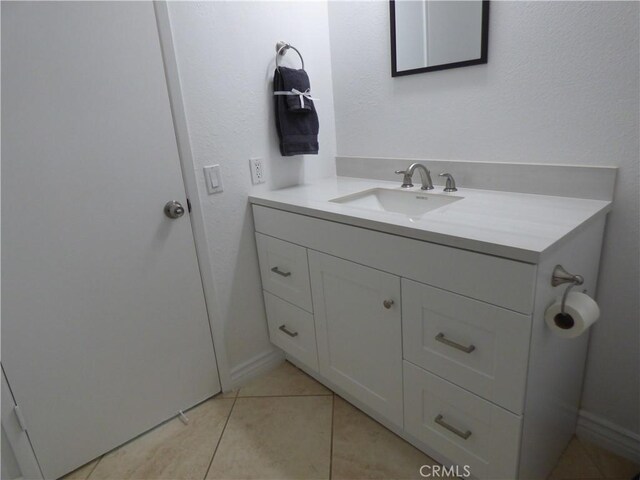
(358, 329)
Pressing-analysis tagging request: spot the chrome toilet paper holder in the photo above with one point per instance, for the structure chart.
(560, 276)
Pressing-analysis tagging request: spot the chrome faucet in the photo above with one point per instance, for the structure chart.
(425, 176)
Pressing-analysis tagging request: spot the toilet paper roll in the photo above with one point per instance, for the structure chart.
(581, 311)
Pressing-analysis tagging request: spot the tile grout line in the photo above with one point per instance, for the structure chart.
(94, 467)
(215, 450)
(333, 413)
(595, 463)
(289, 396)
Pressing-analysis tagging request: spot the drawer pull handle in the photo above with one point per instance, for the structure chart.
(440, 421)
(463, 348)
(284, 329)
(280, 272)
(388, 304)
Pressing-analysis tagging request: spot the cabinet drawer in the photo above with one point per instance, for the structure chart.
(284, 270)
(481, 347)
(292, 329)
(462, 427)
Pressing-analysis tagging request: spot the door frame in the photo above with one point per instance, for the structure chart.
(185, 154)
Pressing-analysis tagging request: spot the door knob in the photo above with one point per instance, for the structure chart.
(173, 209)
(388, 304)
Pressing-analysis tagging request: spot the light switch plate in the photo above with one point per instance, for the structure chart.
(213, 179)
(257, 170)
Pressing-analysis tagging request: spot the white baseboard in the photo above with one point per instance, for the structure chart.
(609, 436)
(256, 366)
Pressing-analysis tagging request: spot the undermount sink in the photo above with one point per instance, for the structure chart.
(408, 202)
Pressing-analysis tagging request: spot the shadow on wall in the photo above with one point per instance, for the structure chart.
(227, 94)
(243, 297)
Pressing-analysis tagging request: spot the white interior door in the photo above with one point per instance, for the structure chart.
(104, 325)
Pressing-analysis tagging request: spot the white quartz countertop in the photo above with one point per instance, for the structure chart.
(519, 226)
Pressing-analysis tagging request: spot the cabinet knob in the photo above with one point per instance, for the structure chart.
(388, 304)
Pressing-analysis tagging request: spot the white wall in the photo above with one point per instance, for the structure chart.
(225, 53)
(561, 86)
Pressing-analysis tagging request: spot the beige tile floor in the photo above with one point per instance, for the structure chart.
(285, 425)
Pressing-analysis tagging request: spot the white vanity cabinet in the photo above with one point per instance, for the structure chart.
(446, 347)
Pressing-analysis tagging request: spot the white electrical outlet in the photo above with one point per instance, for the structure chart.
(257, 171)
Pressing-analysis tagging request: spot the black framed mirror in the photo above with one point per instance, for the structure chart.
(429, 35)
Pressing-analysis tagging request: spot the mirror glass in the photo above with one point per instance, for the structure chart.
(433, 35)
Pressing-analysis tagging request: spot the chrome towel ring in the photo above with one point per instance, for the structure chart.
(281, 50)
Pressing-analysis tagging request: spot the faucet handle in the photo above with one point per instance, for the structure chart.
(406, 181)
(450, 186)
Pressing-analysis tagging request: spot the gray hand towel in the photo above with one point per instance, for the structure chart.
(297, 130)
(296, 80)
